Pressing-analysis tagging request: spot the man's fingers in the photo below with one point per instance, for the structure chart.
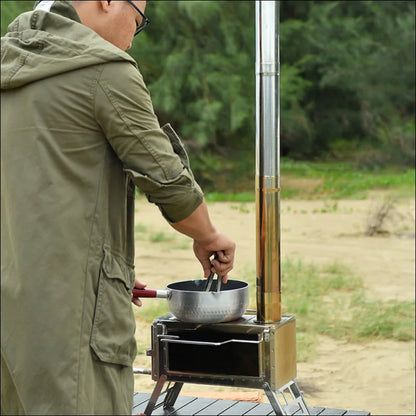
(222, 257)
(206, 266)
(222, 269)
(136, 301)
(139, 285)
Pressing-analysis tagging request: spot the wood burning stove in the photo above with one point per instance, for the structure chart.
(240, 353)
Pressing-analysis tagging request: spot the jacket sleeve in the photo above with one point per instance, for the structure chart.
(154, 157)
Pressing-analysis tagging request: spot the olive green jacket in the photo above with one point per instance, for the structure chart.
(78, 133)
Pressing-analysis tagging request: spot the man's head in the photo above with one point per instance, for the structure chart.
(115, 21)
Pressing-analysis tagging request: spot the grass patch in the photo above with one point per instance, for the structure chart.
(183, 245)
(330, 300)
(342, 180)
(384, 320)
(242, 208)
(152, 309)
(315, 180)
(140, 228)
(160, 237)
(226, 197)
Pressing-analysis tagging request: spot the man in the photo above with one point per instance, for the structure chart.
(78, 134)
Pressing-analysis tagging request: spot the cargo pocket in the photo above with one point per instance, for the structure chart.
(113, 329)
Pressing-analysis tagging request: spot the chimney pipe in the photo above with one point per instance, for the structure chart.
(267, 162)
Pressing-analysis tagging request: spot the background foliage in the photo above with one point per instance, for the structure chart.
(347, 81)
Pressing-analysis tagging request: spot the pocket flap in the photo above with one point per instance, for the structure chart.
(116, 268)
(176, 144)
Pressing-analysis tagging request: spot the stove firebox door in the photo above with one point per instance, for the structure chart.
(212, 354)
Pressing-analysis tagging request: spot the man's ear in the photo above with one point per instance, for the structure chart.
(105, 5)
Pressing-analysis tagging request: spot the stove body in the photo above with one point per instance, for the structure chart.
(241, 353)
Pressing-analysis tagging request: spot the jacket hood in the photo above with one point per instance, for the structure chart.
(40, 44)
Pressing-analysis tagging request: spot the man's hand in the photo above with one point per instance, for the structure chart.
(138, 285)
(223, 249)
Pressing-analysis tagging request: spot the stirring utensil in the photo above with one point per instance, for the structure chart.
(209, 282)
(219, 281)
(211, 279)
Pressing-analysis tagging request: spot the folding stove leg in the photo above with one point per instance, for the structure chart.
(155, 395)
(289, 407)
(273, 399)
(171, 395)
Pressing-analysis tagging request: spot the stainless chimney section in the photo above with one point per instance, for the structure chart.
(267, 162)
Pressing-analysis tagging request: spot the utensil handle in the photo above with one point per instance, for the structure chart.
(209, 282)
(149, 293)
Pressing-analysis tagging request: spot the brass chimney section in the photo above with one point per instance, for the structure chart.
(267, 162)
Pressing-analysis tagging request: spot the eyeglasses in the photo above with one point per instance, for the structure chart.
(145, 20)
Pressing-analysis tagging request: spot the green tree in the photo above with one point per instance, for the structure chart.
(198, 62)
(358, 58)
(347, 75)
(347, 79)
(11, 9)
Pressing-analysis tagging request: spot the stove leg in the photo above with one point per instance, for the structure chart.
(155, 395)
(297, 397)
(273, 399)
(172, 394)
(297, 403)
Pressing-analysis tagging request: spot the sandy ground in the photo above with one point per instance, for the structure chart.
(374, 376)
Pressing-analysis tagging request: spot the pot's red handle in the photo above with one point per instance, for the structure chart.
(149, 293)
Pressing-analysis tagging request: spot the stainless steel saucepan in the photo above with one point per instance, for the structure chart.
(189, 302)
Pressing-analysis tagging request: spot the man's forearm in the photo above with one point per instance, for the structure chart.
(207, 242)
(198, 225)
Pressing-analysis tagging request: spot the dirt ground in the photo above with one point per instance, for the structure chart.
(374, 376)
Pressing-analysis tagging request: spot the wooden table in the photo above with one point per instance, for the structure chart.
(187, 405)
